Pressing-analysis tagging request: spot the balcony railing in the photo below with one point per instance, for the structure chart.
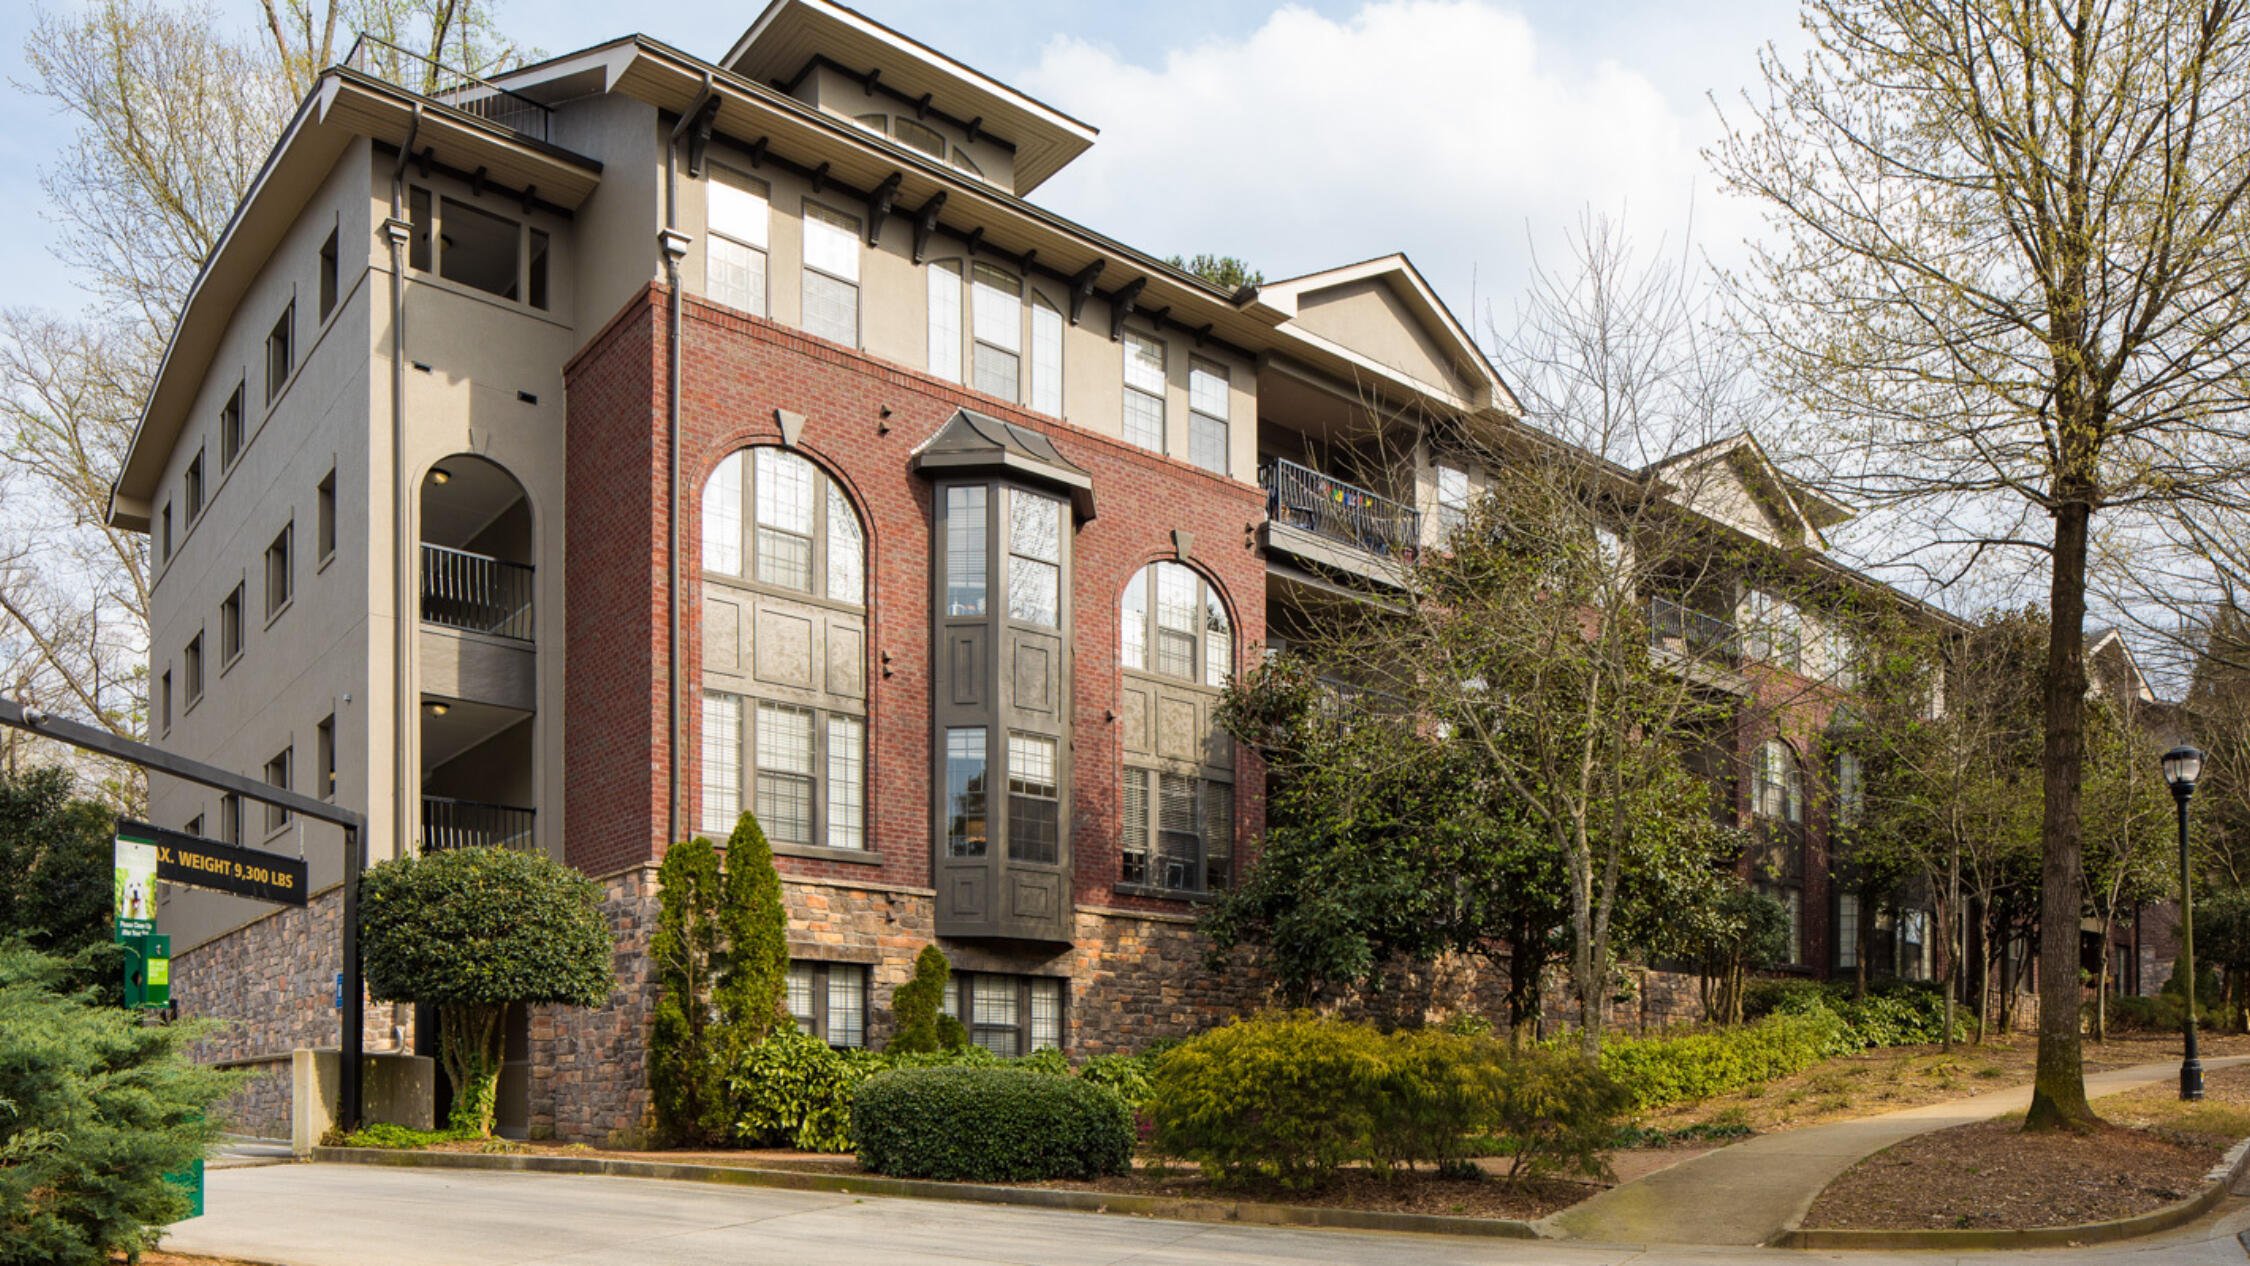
(1696, 632)
(448, 823)
(461, 590)
(378, 57)
(1329, 508)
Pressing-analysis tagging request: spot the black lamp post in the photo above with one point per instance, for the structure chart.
(2182, 766)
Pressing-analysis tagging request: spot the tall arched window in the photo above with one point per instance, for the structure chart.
(784, 729)
(1777, 803)
(1175, 651)
(1777, 789)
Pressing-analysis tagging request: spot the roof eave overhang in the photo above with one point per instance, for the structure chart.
(342, 105)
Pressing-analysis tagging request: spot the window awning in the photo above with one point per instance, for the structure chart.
(973, 443)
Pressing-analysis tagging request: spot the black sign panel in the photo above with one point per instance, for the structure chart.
(201, 863)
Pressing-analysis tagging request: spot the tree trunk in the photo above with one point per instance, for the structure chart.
(1860, 942)
(2058, 1087)
(470, 1037)
(1956, 938)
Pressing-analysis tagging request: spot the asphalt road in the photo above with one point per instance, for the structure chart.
(336, 1215)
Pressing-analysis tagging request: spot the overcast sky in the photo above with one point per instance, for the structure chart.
(1466, 133)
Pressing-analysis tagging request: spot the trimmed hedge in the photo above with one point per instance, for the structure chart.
(1681, 1068)
(990, 1125)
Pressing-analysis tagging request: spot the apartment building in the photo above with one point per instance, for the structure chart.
(639, 439)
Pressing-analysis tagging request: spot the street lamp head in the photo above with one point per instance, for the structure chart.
(2183, 765)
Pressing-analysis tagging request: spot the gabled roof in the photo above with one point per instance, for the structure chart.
(790, 34)
(1786, 498)
(2111, 643)
(972, 442)
(1284, 302)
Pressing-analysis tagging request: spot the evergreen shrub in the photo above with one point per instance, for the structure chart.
(990, 1125)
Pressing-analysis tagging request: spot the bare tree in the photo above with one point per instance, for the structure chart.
(2007, 281)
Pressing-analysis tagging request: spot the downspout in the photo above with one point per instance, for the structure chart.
(673, 245)
(397, 234)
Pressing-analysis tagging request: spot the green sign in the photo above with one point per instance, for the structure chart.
(134, 898)
(148, 971)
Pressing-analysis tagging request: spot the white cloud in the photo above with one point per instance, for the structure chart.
(1450, 130)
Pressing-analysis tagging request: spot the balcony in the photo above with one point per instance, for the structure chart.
(1705, 647)
(448, 823)
(1324, 520)
(378, 58)
(476, 593)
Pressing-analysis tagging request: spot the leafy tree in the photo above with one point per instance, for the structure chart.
(686, 1070)
(55, 863)
(1733, 932)
(474, 931)
(2129, 826)
(1224, 271)
(751, 994)
(2003, 234)
(917, 1009)
(2222, 940)
(95, 1108)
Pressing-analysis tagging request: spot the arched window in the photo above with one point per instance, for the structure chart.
(1777, 789)
(784, 730)
(1176, 651)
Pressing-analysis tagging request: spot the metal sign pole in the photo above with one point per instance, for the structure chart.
(155, 759)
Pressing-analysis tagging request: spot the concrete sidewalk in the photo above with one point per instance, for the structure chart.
(1745, 1194)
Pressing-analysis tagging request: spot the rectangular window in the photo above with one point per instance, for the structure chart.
(537, 258)
(324, 750)
(1144, 391)
(1847, 929)
(965, 828)
(829, 1001)
(1175, 622)
(1034, 559)
(478, 249)
(847, 782)
(191, 669)
(280, 574)
(1135, 850)
(1773, 630)
(734, 262)
(785, 773)
(230, 627)
(831, 281)
(164, 533)
(964, 551)
(1046, 358)
(1218, 835)
(1452, 499)
(277, 775)
(191, 487)
(328, 270)
(1007, 1015)
(945, 321)
(324, 520)
(785, 518)
(722, 763)
(996, 323)
(1034, 803)
(164, 703)
(281, 353)
(418, 215)
(1179, 834)
(230, 818)
(230, 429)
(1207, 415)
(847, 549)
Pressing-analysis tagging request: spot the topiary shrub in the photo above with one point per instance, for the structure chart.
(917, 1009)
(751, 992)
(95, 1108)
(686, 1070)
(473, 931)
(1288, 1096)
(990, 1125)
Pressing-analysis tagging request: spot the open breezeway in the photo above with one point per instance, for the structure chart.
(333, 1215)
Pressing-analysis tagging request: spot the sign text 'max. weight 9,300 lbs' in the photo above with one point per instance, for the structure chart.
(201, 863)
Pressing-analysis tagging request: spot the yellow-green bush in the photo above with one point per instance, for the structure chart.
(1684, 1067)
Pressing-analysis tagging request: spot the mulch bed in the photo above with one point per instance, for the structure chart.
(1416, 1192)
(2151, 1151)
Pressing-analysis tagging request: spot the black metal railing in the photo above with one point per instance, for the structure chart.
(1334, 510)
(449, 823)
(461, 590)
(1697, 632)
(378, 57)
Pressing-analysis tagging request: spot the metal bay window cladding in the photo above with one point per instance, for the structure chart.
(784, 653)
(1006, 504)
(1176, 650)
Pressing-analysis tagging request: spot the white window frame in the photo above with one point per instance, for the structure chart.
(837, 270)
(1210, 392)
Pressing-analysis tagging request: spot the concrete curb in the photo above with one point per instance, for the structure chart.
(2216, 1184)
(1244, 1212)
